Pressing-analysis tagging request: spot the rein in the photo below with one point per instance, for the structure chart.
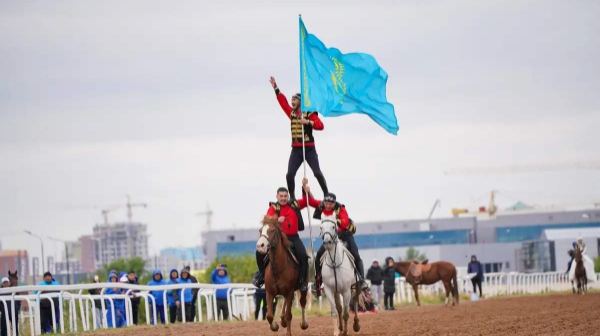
(334, 265)
(273, 243)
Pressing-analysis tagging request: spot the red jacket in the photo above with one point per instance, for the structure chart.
(343, 219)
(290, 224)
(314, 117)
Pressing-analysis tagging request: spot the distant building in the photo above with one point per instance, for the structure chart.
(119, 241)
(180, 257)
(15, 260)
(88, 254)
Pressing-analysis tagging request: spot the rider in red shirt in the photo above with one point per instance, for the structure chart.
(291, 222)
(330, 207)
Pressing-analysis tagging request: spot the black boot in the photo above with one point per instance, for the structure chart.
(259, 278)
(302, 277)
(360, 270)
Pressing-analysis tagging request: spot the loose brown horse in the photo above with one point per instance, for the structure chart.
(281, 275)
(421, 273)
(580, 275)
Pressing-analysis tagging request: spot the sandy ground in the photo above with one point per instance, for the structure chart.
(566, 314)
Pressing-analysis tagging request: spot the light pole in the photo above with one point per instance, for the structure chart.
(42, 243)
(67, 255)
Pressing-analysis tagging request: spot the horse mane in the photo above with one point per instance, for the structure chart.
(273, 221)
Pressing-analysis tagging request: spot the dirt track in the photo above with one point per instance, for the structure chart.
(543, 315)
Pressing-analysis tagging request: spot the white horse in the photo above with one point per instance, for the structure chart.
(338, 278)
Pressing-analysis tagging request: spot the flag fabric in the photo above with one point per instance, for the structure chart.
(336, 84)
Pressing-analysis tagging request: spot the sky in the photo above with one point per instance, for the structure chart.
(169, 102)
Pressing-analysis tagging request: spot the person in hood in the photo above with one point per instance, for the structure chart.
(219, 277)
(173, 296)
(132, 279)
(194, 293)
(119, 304)
(389, 283)
(375, 275)
(188, 296)
(475, 267)
(97, 303)
(46, 306)
(157, 280)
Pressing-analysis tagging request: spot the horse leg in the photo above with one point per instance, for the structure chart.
(273, 325)
(332, 303)
(289, 301)
(339, 308)
(303, 325)
(283, 311)
(346, 305)
(448, 288)
(356, 324)
(416, 290)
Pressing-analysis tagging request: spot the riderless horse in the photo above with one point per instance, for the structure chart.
(421, 273)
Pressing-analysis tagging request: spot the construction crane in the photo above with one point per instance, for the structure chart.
(133, 205)
(208, 213)
(107, 210)
(490, 210)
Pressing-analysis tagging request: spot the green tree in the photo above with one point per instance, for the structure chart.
(135, 264)
(240, 268)
(412, 254)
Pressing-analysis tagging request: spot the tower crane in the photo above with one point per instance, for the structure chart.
(133, 205)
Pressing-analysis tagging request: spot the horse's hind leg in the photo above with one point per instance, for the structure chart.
(448, 289)
(289, 301)
(273, 325)
(303, 325)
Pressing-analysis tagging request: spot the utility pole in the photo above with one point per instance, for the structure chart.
(66, 255)
(42, 243)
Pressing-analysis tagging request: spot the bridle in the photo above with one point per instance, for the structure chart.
(334, 242)
(271, 248)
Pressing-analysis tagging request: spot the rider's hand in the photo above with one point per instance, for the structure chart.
(307, 190)
(273, 83)
(304, 181)
(304, 121)
(281, 219)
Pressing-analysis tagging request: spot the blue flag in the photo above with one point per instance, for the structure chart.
(336, 84)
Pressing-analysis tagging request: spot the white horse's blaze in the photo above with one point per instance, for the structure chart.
(262, 245)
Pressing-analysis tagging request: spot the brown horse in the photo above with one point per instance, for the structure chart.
(421, 273)
(580, 275)
(281, 275)
(13, 278)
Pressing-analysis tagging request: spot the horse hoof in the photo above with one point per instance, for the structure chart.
(283, 323)
(274, 326)
(304, 326)
(356, 327)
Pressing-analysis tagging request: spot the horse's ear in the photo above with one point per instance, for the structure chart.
(16, 272)
(424, 262)
(9, 274)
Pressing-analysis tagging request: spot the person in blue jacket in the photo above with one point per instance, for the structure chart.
(188, 295)
(46, 307)
(157, 280)
(173, 296)
(119, 304)
(219, 277)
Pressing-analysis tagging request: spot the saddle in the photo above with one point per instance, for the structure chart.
(417, 268)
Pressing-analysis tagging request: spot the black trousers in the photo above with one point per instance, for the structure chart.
(348, 238)
(7, 329)
(173, 314)
(193, 305)
(388, 301)
(261, 299)
(222, 307)
(188, 313)
(476, 282)
(299, 251)
(312, 158)
(46, 319)
(135, 305)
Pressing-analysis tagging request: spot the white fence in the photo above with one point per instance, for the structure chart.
(496, 284)
(239, 298)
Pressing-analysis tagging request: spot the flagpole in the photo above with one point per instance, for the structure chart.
(312, 247)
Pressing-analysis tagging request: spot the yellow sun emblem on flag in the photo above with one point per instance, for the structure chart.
(337, 76)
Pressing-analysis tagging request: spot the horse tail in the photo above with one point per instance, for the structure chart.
(455, 286)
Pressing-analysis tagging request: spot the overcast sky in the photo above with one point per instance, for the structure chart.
(170, 103)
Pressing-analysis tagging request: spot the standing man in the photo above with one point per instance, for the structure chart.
(219, 276)
(475, 267)
(135, 299)
(311, 122)
(46, 307)
(194, 293)
(375, 275)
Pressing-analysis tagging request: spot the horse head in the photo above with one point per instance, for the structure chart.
(13, 278)
(416, 270)
(328, 233)
(578, 254)
(269, 234)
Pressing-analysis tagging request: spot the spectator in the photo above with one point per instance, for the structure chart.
(389, 283)
(187, 296)
(97, 303)
(194, 293)
(157, 280)
(119, 304)
(172, 296)
(571, 254)
(375, 275)
(369, 306)
(46, 306)
(132, 279)
(475, 267)
(4, 327)
(219, 277)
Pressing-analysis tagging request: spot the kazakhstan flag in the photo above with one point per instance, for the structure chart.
(336, 84)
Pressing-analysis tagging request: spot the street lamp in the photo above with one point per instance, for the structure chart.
(67, 255)
(42, 243)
